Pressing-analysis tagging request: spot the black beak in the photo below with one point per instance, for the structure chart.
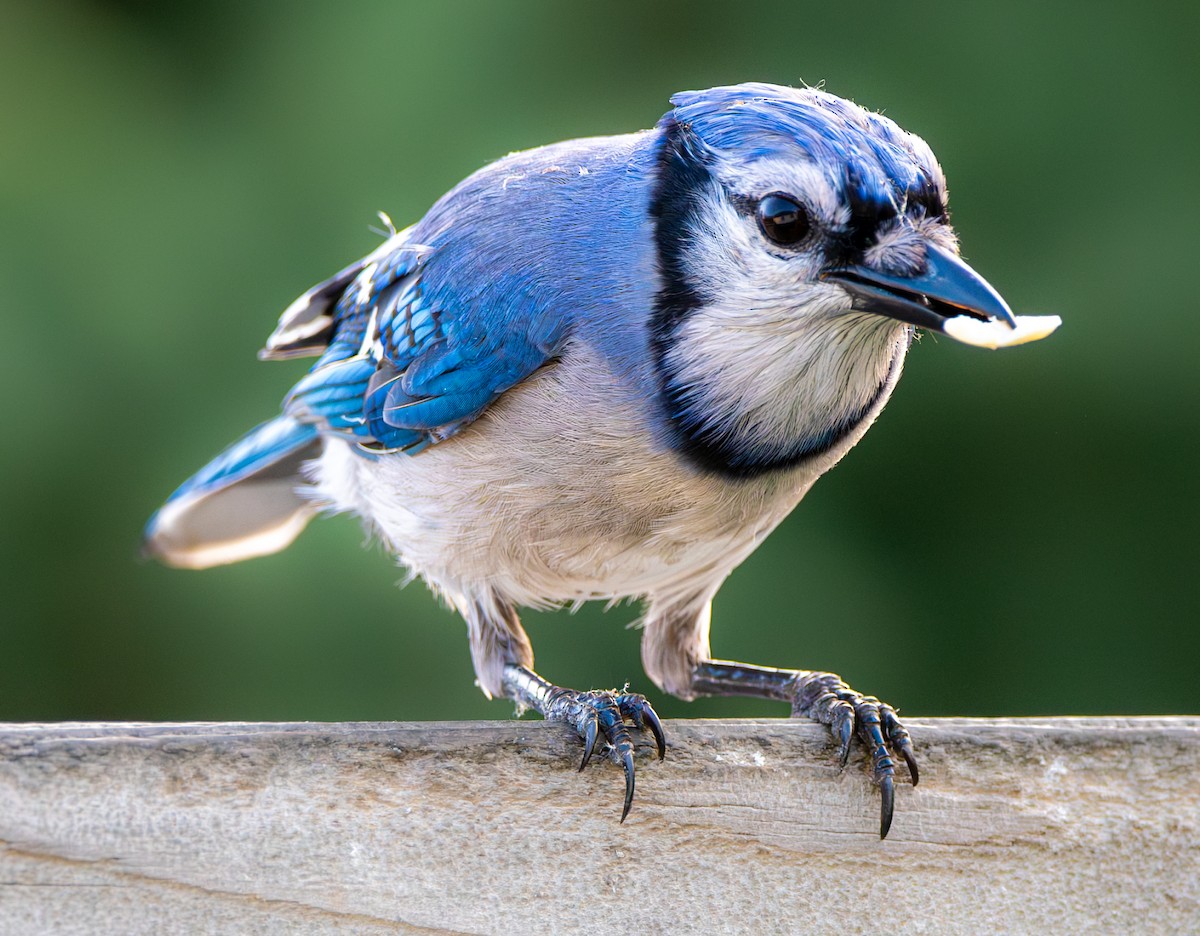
(947, 288)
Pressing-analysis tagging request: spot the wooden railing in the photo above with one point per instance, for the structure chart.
(1084, 825)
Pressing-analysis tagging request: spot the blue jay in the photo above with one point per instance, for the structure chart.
(606, 369)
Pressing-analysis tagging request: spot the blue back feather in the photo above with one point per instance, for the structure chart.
(469, 302)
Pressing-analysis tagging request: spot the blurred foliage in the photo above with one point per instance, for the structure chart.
(1017, 535)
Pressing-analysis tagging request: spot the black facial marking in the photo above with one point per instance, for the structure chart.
(675, 207)
(871, 208)
(682, 184)
(676, 204)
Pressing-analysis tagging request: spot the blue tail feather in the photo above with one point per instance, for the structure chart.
(245, 502)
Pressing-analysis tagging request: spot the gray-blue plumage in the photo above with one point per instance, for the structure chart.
(607, 368)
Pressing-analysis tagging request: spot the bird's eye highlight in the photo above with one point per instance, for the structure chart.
(782, 220)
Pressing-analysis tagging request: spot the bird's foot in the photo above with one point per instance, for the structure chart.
(825, 698)
(594, 714)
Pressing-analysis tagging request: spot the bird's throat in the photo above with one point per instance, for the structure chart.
(750, 393)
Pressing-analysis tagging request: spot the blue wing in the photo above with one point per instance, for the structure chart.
(412, 349)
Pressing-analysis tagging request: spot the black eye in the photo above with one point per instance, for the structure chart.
(782, 220)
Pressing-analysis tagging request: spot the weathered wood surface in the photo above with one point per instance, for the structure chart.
(1021, 826)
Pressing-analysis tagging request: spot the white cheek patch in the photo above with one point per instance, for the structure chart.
(997, 334)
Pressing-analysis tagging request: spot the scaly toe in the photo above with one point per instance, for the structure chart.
(639, 711)
(825, 698)
(602, 714)
(898, 738)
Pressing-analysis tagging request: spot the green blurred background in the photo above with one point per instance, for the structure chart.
(1018, 534)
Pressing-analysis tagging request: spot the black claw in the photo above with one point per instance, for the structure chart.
(897, 736)
(589, 741)
(638, 710)
(888, 792)
(824, 697)
(596, 716)
(656, 729)
(844, 731)
(627, 763)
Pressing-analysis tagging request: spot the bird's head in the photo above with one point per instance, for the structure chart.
(799, 238)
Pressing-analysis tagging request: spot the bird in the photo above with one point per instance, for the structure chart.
(606, 369)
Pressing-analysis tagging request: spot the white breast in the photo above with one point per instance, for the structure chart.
(559, 494)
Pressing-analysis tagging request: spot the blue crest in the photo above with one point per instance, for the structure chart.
(875, 165)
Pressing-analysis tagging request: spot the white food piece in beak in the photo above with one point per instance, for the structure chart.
(997, 334)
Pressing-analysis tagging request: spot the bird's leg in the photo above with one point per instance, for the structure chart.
(503, 659)
(825, 698)
(676, 654)
(593, 714)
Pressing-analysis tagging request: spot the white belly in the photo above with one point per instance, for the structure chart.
(557, 494)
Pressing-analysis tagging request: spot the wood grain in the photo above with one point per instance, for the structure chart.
(1085, 825)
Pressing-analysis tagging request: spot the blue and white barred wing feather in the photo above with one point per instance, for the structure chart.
(415, 351)
(406, 360)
